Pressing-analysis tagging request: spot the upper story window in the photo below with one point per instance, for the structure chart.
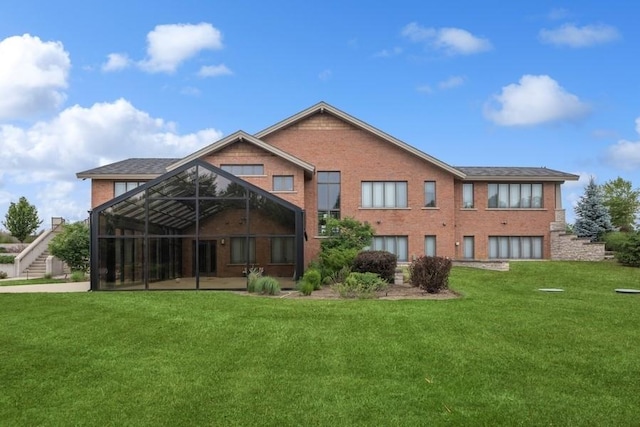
(527, 196)
(467, 196)
(243, 169)
(121, 187)
(430, 194)
(283, 183)
(328, 198)
(384, 194)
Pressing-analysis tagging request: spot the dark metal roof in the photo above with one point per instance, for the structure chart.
(497, 172)
(130, 167)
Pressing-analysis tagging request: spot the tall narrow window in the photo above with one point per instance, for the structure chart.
(468, 247)
(467, 196)
(384, 194)
(239, 250)
(430, 194)
(328, 198)
(430, 245)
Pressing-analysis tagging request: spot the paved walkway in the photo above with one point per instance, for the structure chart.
(54, 287)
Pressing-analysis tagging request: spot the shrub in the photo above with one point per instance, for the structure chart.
(337, 276)
(78, 276)
(406, 274)
(361, 285)
(266, 285)
(629, 253)
(3, 250)
(382, 263)
(47, 276)
(431, 274)
(314, 277)
(336, 258)
(252, 277)
(615, 240)
(305, 287)
(71, 245)
(7, 259)
(3, 275)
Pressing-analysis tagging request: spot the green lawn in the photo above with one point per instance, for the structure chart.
(38, 281)
(503, 354)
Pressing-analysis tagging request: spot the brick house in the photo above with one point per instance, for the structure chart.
(262, 200)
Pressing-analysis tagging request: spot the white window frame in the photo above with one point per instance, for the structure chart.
(283, 183)
(384, 194)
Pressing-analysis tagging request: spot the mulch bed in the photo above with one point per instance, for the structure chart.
(395, 292)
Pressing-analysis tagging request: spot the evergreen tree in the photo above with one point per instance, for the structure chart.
(22, 219)
(592, 217)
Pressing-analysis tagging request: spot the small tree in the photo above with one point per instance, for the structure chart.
(22, 219)
(592, 217)
(622, 201)
(71, 245)
(344, 239)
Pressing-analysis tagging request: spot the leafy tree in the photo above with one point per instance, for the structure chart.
(22, 219)
(344, 239)
(629, 253)
(71, 245)
(592, 217)
(622, 201)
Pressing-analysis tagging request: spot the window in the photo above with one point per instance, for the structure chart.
(397, 245)
(384, 194)
(282, 250)
(244, 169)
(283, 183)
(525, 196)
(430, 245)
(122, 187)
(430, 194)
(467, 196)
(239, 250)
(515, 247)
(468, 247)
(328, 198)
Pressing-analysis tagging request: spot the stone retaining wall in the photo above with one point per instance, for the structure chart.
(488, 264)
(568, 247)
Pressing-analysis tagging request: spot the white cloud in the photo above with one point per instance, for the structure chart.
(214, 71)
(558, 13)
(388, 53)
(325, 75)
(170, 45)
(573, 36)
(116, 62)
(81, 138)
(534, 100)
(451, 82)
(33, 75)
(625, 154)
(453, 41)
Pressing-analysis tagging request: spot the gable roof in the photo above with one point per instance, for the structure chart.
(245, 137)
(501, 173)
(129, 169)
(323, 107)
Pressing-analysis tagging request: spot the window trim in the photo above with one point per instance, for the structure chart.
(507, 194)
(243, 169)
(327, 178)
(435, 245)
(126, 186)
(399, 194)
(466, 239)
(536, 242)
(430, 203)
(464, 201)
(283, 178)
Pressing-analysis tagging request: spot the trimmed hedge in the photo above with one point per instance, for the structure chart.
(382, 263)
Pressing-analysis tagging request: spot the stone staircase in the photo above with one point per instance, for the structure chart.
(38, 267)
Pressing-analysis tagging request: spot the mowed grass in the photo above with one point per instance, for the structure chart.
(37, 281)
(503, 354)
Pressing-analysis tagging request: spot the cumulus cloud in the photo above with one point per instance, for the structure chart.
(33, 76)
(214, 71)
(534, 100)
(453, 41)
(81, 138)
(573, 36)
(116, 62)
(170, 45)
(625, 154)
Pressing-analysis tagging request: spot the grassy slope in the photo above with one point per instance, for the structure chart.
(505, 354)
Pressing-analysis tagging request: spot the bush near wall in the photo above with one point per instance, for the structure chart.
(7, 259)
(382, 263)
(431, 273)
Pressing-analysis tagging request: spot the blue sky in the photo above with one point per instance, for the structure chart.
(489, 83)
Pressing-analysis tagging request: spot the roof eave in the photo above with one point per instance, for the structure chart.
(119, 177)
(522, 178)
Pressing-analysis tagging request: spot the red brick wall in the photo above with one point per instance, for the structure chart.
(101, 191)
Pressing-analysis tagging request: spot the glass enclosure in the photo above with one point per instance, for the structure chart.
(197, 227)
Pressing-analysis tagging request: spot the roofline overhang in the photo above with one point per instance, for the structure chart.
(522, 178)
(323, 107)
(117, 177)
(242, 136)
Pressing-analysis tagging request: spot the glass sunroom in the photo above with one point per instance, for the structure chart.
(196, 227)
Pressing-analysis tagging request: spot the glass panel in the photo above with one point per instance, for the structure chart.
(493, 195)
(282, 250)
(515, 247)
(503, 195)
(526, 247)
(378, 194)
(334, 196)
(525, 196)
(504, 247)
(401, 195)
(430, 245)
(467, 196)
(493, 247)
(367, 195)
(430, 194)
(537, 247)
(402, 251)
(468, 247)
(239, 248)
(119, 188)
(389, 194)
(536, 190)
(121, 263)
(514, 196)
